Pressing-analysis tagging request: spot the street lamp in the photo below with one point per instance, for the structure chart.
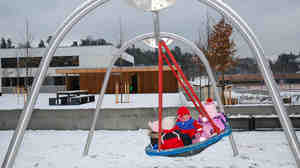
(151, 42)
(151, 5)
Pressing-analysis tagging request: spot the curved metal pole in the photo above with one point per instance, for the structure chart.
(99, 103)
(258, 51)
(61, 32)
(143, 37)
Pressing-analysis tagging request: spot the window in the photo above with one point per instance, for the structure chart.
(30, 62)
(50, 80)
(12, 82)
(34, 62)
(8, 62)
(65, 61)
(59, 80)
(6, 82)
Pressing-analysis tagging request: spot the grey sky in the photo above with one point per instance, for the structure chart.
(275, 22)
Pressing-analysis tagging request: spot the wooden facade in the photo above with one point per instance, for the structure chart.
(131, 79)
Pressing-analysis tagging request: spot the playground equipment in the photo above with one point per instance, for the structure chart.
(193, 148)
(189, 150)
(89, 6)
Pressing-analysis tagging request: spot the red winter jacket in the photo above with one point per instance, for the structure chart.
(171, 139)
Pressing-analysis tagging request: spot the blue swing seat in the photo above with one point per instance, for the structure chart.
(189, 150)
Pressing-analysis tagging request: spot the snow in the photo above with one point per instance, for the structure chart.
(255, 95)
(125, 149)
(13, 101)
(200, 81)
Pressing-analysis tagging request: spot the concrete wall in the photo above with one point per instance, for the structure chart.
(128, 119)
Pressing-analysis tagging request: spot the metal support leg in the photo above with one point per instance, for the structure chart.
(258, 52)
(98, 105)
(160, 98)
(24, 119)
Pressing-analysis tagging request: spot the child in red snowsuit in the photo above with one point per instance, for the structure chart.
(186, 124)
(170, 134)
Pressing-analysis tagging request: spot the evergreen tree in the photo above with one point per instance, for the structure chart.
(74, 44)
(9, 43)
(3, 43)
(286, 63)
(49, 39)
(41, 44)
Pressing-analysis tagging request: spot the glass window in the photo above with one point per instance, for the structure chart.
(8, 62)
(12, 82)
(33, 62)
(65, 61)
(50, 80)
(59, 80)
(30, 62)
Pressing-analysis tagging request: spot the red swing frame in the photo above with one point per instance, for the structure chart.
(196, 103)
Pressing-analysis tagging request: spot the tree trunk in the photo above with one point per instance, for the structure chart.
(223, 88)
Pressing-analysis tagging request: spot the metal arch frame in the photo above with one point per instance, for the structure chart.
(89, 6)
(61, 32)
(122, 50)
(265, 69)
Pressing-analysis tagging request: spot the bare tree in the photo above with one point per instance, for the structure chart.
(23, 58)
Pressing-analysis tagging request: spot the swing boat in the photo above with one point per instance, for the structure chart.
(189, 150)
(195, 148)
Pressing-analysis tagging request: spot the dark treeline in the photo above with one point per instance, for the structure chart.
(88, 41)
(285, 63)
(6, 43)
(150, 57)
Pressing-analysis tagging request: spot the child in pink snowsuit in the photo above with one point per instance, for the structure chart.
(218, 118)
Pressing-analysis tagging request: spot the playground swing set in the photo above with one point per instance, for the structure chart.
(155, 6)
(193, 148)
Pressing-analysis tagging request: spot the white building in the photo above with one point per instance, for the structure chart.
(13, 71)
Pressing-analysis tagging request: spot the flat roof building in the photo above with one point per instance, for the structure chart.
(134, 79)
(18, 66)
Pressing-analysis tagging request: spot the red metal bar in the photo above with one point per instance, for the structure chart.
(189, 86)
(182, 84)
(160, 98)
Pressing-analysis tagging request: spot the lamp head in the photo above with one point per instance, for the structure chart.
(150, 5)
(151, 42)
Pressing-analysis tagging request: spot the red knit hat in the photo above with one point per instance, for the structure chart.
(183, 111)
(209, 100)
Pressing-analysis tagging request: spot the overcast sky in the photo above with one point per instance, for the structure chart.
(276, 22)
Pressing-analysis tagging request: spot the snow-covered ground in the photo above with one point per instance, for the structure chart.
(254, 94)
(13, 101)
(125, 149)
